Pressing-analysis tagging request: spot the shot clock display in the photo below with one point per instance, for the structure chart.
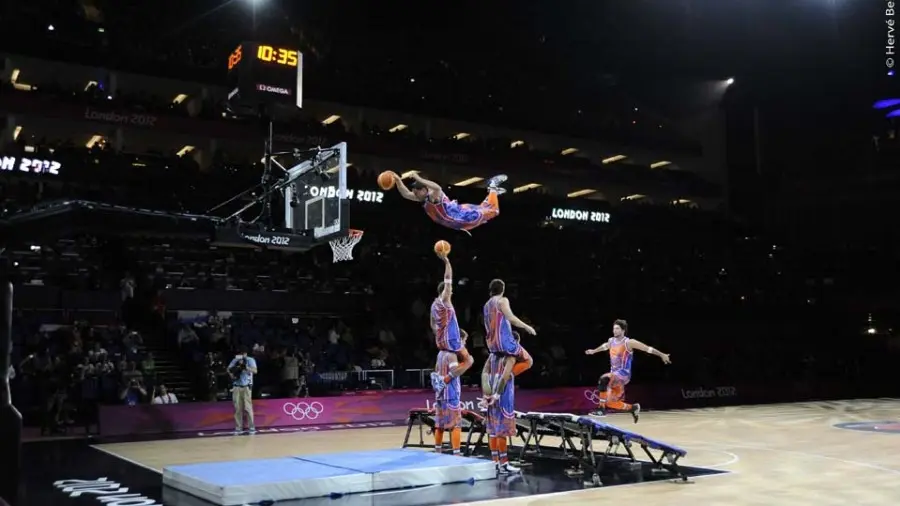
(260, 74)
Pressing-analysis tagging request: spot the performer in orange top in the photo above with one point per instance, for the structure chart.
(612, 384)
(450, 213)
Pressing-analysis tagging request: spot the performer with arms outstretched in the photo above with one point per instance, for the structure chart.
(507, 360)
(447, 407)
(450, 213)
(612, 384)
(446, 331)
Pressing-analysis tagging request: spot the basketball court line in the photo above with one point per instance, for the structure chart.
(816, 455)
(126, 459)
(676, 482)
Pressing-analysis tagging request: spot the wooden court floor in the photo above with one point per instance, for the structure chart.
(777, 455)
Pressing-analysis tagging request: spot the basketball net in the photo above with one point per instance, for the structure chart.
(342, 247)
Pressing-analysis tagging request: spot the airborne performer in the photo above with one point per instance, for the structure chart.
(450, 213)
(612, 384)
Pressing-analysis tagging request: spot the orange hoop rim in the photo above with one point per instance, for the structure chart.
(353, 232)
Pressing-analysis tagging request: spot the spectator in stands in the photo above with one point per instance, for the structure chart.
(148, 366)
(133, 392)
(86, 368)
(131, 373)
(259, 349)
(127, 286)
(290, 373)
(187, 338)
(162, 396)
(97, 351)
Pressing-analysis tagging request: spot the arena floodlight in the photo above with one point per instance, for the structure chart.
(729, 81)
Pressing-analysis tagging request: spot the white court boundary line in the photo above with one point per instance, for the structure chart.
(569, 493)
(814, 455)
(126, 459)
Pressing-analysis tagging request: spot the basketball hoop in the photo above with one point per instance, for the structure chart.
(342, 247)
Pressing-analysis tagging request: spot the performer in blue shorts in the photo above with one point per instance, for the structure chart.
(450, 213)
(501, 413)
(447, 407)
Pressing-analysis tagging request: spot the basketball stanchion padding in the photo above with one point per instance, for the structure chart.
(342, 247)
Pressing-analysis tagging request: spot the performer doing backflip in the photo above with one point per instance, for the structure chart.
(448, 411)
(450, 213)
(612, 384)
(446, 332)
(507, 360)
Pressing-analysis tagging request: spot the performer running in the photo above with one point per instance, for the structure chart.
(448, 411)
(612, 384)
(502, 341)
(447, 333)
(450, 213)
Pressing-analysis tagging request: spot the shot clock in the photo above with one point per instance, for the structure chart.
(262, 74)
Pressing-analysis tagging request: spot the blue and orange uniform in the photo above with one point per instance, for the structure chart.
(620, 357)
(448, 410)
(456, 216)
(501, 415)
(498, 332)
(507, 360)
(445, 326)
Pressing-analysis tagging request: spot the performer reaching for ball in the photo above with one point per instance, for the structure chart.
(447, 407)
(450, 213)
(502, 342)
(446, 331)
(612, 384)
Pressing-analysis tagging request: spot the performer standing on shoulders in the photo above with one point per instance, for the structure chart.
(446, 332)
(612, 384)
(447, 408)
(501, 340)
(507, 360)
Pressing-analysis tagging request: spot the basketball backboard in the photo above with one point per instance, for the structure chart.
(316, 202)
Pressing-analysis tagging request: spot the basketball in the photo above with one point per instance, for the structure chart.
(386, 180)
(442, 248)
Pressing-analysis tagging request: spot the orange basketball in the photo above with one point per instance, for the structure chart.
(386, 180)
(442, 248)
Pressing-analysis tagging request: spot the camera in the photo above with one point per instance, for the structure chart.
(238, 368)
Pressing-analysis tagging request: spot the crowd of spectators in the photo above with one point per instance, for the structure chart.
(66, 363)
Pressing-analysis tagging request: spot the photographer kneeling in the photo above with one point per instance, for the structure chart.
(241, 369)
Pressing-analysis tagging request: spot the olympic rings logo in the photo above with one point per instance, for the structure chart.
(303, 410)
(592, 396)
